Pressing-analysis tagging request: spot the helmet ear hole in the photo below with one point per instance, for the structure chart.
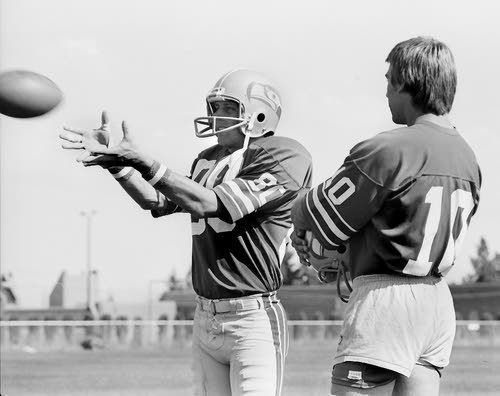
(261, 117)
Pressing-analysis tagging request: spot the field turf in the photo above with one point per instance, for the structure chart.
(473, 371)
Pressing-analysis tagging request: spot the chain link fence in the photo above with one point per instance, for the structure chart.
(60, 335)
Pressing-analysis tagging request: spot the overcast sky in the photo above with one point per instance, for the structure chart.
(152, 62)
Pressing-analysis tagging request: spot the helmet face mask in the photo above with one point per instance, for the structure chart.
(259, 105)
(214, 124)
(330, 265)
(327, 273)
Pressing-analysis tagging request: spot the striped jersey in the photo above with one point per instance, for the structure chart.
(240, 254)
(402, 200)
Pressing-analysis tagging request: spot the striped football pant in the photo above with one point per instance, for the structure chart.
(241, 352)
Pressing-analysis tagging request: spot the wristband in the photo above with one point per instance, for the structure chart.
(156, 173)
(123, 174)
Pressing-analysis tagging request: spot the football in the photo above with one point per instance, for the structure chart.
(26, 94)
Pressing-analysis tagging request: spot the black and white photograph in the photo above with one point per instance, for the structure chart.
(264, 198)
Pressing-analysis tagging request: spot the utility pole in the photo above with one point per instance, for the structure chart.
(88, 216)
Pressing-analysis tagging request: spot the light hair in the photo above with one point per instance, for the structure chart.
(425, 68)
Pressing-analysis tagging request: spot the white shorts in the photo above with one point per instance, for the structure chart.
(396, 322)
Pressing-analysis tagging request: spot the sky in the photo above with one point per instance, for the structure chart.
(152, 63)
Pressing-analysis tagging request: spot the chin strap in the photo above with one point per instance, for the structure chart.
(341, 270)
(343, 274)
(236, 160)
(251, 122)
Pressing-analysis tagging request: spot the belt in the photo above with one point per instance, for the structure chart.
(226, 305)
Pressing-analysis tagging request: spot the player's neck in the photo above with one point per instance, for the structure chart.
(411, 115)
(233, 148)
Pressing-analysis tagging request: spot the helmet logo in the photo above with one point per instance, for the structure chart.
(217, 91)
(266, 94)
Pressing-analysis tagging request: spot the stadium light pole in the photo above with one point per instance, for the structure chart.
(88, 216)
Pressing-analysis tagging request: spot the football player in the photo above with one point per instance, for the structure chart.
(402, 201)
(239, 194)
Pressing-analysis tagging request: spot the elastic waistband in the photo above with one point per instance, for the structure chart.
(225, 305)
(389, 280)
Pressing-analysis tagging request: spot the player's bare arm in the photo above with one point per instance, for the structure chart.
(186, 193)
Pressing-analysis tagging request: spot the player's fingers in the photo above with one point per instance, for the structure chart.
(126, 131)
(104, 121)
(304, 261)
(91, 161)
(107, 166)
(83, 156)
(298, 235)
(297, 242)
(297, 246)
(71, 137)
(72, 146)
(294, 239)
(100, 160)
(74, 130)
(100, 151)
(87, 164)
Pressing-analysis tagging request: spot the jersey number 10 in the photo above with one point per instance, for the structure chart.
(461, 204)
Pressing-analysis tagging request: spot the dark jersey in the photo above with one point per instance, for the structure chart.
(240, 254)
(402, 200)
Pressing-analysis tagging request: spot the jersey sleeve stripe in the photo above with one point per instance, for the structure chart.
(250, 191)
(332, 213)
(235, 188)
(318, 226)
(326, 217)
(335, 210)
(230, 203)
(245, 188)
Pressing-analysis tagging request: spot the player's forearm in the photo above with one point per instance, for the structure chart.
(137, 188)
(189, 195)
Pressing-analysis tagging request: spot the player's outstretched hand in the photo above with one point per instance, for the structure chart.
(123, 154)
(301, 245)
(85, 139)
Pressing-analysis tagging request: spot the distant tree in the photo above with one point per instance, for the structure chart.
(175, 283)
(189, 279)
(484, 266)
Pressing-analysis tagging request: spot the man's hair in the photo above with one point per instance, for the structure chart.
(424, 67)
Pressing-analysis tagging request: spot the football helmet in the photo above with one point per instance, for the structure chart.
(330, 265)
(259, 103)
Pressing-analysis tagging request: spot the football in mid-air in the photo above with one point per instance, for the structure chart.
(26, 94)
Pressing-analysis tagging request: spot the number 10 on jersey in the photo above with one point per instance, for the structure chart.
(461, 204)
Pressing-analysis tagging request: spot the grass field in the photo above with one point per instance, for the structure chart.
(473, 371)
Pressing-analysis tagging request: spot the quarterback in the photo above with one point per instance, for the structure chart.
(402, 202)
(239, 194)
